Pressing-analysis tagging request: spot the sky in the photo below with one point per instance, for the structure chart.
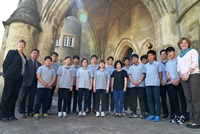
(7, 7)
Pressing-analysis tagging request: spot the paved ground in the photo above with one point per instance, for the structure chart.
(92, 125)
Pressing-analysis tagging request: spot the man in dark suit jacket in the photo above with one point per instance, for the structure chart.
(29, 85)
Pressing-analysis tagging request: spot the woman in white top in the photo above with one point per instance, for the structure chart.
(188, 68)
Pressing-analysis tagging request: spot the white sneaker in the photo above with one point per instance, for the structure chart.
(80, 114)
(59, 114)
(64, 114)
(97, 114)
(102, 114)
(84, 114)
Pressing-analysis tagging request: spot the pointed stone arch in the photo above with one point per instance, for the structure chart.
(123, 46)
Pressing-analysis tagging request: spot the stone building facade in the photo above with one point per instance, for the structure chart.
(101, 27)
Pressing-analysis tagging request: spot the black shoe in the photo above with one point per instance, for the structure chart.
(165, 117)
(30, 114)
(88, 112)
(193, 126)
(13, 118)
(23, 115)
(5, 120)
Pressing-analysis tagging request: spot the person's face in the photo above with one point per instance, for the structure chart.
(163, 55)
(127, 63)
(20, 46)
(94, 60)
(84, 63)
(144, 61)
(184, 45)
(151, 57)
(171, 54)
(54, 58)
(34, 55)
(68, 61)
(47, 62)
(110, 62)
(76, 61)
(135, 60)
(102, 65)
(118, 66)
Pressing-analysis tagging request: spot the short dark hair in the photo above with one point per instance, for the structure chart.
(126, 58)
(134, 56)
(94, 56)
(151, 52)
(54, 53)
(22, 41)
(143, 57)
(47, 57)
(102, 61)
(182, 39)
(35, 50)
(169, 49)
(84, 59)
(76, 57)
(116, 62)
(163, 50)
(110, 57)
(68, 57)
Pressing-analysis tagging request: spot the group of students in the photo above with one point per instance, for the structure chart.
(116, 87)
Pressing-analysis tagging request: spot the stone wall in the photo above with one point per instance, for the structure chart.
(190, 24)
(71, 28)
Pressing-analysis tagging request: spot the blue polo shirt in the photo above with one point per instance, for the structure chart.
(128, 80)
(74, 69)
(93, 68)
(101, 77)
(171, 68)
(110, 70)
(152, 74)
(136, 71)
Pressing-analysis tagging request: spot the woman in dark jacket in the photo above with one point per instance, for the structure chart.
(14, 67)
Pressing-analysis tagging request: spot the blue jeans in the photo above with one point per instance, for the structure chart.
(153, 96)
(118, 100)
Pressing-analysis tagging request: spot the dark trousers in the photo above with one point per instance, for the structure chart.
(73, 94)
(145, 101)
(83, 92)
(25, 92)
(109, 101)
(92, 100)
(118, 100)
(63, 99)
(51, 99)
(137, 92)
(163, 95)
(43, 96)
(153, 96)
(101, 96)
(191, 90)
(9, 97)
(127, 99)
(176, 93)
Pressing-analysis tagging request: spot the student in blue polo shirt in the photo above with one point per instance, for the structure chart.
(137, 74)
(152, 82)
(92, 96)
(101, 87)
(175, 90)
(83, 85)
(119, 83)
(46, 77)
(109, 96)
(164, 83)
(64, 86)
(127, 94)
(74, 93)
